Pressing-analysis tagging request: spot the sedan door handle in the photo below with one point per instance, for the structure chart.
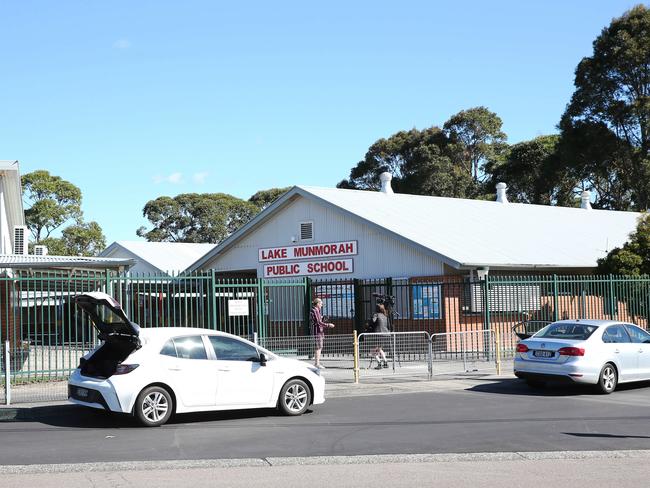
(175, 369)
(225, 369)
(616, 351)
(640, 350)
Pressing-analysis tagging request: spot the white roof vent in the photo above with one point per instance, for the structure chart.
(501, 193)
(585, 200)
(385, 178)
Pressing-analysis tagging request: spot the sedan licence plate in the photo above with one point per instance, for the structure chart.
(82, 392)
(543, 354)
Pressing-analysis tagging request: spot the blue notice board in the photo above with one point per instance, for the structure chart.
(426, 301)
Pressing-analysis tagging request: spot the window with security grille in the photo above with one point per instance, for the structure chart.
(306, 231)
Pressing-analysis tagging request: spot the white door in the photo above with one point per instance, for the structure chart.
(242, 380)
(619, 346)
(641, 342)
(193, 375)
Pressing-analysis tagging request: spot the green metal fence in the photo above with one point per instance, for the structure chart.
(48, 333)
(447, 304)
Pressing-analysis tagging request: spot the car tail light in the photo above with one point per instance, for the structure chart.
(571, 351)
(125, 368)
(522, 348)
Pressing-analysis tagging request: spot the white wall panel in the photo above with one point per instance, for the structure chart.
(379, 254)
(140, 267)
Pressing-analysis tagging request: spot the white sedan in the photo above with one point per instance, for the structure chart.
(600, 352)
(154, 373)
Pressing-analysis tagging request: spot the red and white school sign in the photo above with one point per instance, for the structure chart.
(325, 250)
(284, 270)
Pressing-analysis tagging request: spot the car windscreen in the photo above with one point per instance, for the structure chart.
(567, 331)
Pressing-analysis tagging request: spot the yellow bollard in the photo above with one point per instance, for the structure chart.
(356, 357)
(498, 340)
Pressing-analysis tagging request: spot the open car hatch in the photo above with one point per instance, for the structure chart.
(120, 335)
(107, 316)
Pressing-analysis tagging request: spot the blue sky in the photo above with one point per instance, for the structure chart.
(133, 100)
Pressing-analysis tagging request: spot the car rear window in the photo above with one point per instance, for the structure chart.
(568, 331)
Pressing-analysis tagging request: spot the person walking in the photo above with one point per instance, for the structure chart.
(380, 324)
(318, 327)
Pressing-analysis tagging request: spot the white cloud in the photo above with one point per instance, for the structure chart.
(174, 179)
(122, 44)
(199, 178)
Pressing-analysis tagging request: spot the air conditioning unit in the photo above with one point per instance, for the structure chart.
(20, 240)
(40, 250)
(506, 298)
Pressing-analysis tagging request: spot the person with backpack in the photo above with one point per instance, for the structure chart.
(380, 326)
(318, 326)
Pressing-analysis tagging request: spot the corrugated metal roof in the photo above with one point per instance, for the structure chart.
(49, 261)
(166, 256)
(484, 233)
(472, 233)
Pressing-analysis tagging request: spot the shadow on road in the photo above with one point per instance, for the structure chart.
(607, 436)
(75, 416)
(514, 386)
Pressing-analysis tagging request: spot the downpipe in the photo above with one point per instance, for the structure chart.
(7, 375)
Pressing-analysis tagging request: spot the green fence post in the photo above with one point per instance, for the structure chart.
(261, 329)
(307, 305)
(613, 309)
(358, 304)
(213, 293)
(486, 311)
(108, 283)
(556, 300)
(486, 303)
(391, 319)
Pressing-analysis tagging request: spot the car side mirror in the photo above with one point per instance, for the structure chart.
(263, 359)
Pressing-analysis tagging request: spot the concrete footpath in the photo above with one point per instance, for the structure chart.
(623, 469)
(386, 385)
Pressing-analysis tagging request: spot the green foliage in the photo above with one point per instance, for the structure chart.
(194, 217)
(264, 198)
(82, 239)
(55, 246)
(54, 201)
(419, 162)
(432, 161)
(606, 126)
(475, 137)
(633, 259)
(533, 173)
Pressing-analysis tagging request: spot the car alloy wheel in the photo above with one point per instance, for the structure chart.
(608, 379)
(295, 397)
(153, 406)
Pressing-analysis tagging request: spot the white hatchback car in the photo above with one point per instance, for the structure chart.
(599, 352)
(154, 373)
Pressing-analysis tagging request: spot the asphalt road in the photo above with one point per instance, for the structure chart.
(494, 416)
